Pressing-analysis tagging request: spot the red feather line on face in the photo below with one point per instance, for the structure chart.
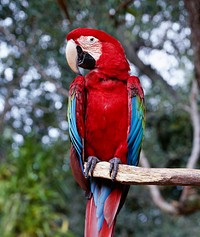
(99, 34)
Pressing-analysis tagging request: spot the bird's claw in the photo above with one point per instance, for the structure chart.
(91, 163)
(114, 165)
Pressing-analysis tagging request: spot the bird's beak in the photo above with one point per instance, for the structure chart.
(72, 55)
(76, 57)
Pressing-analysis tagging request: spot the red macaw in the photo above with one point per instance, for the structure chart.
(106, 122)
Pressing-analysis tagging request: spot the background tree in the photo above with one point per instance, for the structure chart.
(193, 8)
(38, 195)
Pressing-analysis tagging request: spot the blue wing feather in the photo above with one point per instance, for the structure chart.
(73, 131)
(136, 134)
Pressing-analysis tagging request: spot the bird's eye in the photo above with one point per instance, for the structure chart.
(91, 40)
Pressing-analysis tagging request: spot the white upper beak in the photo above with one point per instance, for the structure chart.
(71, 55)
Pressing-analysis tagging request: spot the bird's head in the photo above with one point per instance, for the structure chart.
(95, 49)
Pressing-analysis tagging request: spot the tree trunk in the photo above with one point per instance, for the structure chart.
(193, 8)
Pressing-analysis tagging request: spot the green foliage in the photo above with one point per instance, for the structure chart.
(153, 223)
(170, 131)
(30, 201)
(139, 217)
(166, 131)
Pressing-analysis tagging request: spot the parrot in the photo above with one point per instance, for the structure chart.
(106, 120)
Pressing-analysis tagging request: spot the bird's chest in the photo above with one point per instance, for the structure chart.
(106, 119)
(107, 104)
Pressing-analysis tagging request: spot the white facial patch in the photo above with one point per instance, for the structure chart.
(91, 45)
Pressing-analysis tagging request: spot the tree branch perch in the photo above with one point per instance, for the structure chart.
(132, 175)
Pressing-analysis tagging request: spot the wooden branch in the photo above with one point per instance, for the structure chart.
(195, 151)
(63, 6)
(195, 119)
(150, 176)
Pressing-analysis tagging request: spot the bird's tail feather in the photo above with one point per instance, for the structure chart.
(102, 209)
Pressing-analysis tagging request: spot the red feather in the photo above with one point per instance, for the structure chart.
(91, 220)
(77, 171)
(107, 231)
(111, 206)
(101, 35)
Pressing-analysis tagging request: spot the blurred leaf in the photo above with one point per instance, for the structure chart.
(33, 204)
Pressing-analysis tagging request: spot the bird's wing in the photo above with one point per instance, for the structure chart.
(136, 120)
(75, 117)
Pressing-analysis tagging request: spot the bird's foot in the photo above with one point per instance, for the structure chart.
(91, 163)
(114, 165)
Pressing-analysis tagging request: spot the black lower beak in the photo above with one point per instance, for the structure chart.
(85, 60)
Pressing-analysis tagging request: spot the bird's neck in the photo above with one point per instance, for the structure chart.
(120, 75)
(99, 80)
